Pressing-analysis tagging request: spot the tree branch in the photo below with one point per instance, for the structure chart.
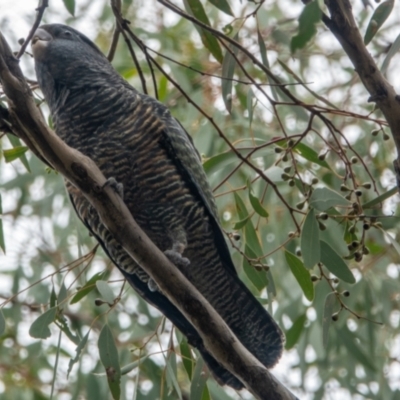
(343, 25)
(29, 125)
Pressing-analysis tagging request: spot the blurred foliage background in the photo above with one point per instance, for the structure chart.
(301, 166)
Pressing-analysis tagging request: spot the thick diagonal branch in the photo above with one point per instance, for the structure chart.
(28, 123)
(343, 25)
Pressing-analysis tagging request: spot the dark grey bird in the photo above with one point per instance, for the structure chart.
(136, 142)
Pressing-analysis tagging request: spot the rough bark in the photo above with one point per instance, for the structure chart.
(343, 26)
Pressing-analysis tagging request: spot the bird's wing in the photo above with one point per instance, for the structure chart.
(155, 298)
(180, 148)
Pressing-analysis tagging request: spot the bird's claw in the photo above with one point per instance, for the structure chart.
(177, 259)
(114, 184)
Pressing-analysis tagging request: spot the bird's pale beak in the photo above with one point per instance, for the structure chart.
(40, 41)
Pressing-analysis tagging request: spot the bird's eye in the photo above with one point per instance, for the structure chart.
(67, 33)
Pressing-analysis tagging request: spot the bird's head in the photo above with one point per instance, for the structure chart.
(67, 59)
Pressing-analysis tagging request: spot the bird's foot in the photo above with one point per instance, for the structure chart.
(152, 285)
(176, 258)
(117, 186)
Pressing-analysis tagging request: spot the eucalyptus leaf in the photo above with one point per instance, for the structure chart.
(40, 327)
(301, 274)
(335, 263)
(109, 358)
(310, 247)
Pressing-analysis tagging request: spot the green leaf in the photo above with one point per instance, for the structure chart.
(206, 393)
(256, 204)
(109, 358)
(87, 288)
(53, 297)
(228, 68)
(170, 363)
(394, 48)
(70, 6)
(199, 381)
(263, 49)
(62, 295)
(195, 8)
(308, 20)
(323, 198)
(378, 18)
(240, 224)
(2, 242)
(381, 198)
(310, 155)
(310, 248)
(187, 358)
(301, 274)
(106, 293)
(335, 263)
(14, 153)
(78, 350)
(293, 334)
(40, 327)
(2, 323)
(250, 97)
(223, 5)
(15, 142)
(329, 305)
(252, 248)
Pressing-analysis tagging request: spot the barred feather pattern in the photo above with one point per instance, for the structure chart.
(134, 139)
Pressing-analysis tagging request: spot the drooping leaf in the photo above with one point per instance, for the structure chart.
(250, 97)
(256, 204)
(335, 263)
(294, 332)
(2, 323)
(378, 18)
(199, 381)
(228, 68)
(253, 247)
(329, 305)
(310, 248)
(301, 274)
(16, 143)
(172, 373)
(87, 288)
(109, 358)
(2, 242)
(40, 327)
(394, 48)
(308, 20)
(195, 8)
(14, 153)
(106, 293)
(78, 350)
(62, 295)
(323, 198)
(223, 5)
(70, 6)
(187, 358)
